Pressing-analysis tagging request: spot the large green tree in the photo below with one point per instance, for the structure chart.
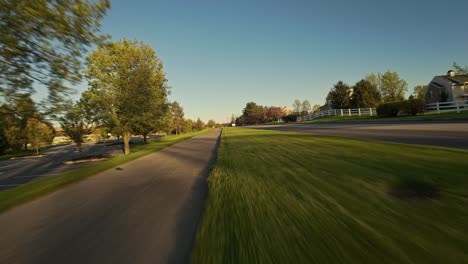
(392, 87)
(42, 42)
(199, 125)
(211, 123)
(177, 117)
(419, 91)
(339, 95)
(188, 125)
(305, 107)
(364, 94)
(297, 106)
(253, 113)
(39, 133)
(127, 82)
(273, 113)
(18, 110)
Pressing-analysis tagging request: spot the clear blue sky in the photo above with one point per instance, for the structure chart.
(219, 55)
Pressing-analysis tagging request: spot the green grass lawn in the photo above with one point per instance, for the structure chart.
(284, 197)
(18, 154)
(29, 191)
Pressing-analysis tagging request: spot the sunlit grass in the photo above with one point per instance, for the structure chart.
(284, 197)
(29, 191)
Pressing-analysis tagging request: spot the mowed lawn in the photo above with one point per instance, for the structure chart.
(280, 197)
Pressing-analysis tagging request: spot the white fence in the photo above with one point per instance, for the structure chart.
(447, 106)
(340, 112)
(455, 106)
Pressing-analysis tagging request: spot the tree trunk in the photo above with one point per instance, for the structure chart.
(144, 138)
(37, 150)
(126, 139)
(78, 146)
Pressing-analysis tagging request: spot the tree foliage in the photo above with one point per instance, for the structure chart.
(211, 123)
(177, 117)
(14, 117)
(199, 125)
(76, 123)
(460, 69)
(273, 113)
(392, 87)
(316, 108)
(339, 95)
(305, 107)
(364, 94)
(419, 92)
(42, 42)
(39, 132)
(297, 106)
(252, 114)
(127, 86)
(188, 126)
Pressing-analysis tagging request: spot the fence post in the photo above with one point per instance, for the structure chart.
(341, 112)
(370, 111)
(438, 110)
(458, 107)
(349, 111)
(359, 109)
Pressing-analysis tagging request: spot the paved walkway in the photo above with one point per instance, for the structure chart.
(145, 211)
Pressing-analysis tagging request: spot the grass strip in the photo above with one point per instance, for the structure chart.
(285, 197)
(27, 192)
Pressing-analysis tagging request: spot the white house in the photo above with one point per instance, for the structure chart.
(455, 88)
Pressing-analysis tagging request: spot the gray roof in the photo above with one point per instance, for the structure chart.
(456, 79)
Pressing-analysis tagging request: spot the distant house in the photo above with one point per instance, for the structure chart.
(451, 86)
(325, 107)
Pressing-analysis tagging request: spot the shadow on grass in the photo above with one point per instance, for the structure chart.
(412, 189)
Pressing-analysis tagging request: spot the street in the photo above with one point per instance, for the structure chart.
(451, 134)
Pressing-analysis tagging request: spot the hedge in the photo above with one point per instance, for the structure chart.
(408, 107)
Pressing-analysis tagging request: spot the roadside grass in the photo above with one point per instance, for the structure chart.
(285, 197)
(15, 196)
(18, 154)
(425, 116)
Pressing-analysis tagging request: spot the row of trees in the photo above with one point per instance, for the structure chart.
(45, 48)
(22, 125)
(371, 91)
(127, 95)
(258, 114)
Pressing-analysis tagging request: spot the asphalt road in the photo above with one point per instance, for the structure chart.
(51, 162)
(145, 211)
(452, 134)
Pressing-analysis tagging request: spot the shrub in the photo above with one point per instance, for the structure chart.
(391, 109)
(408, 107)
(289, 118)
(414, 106)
